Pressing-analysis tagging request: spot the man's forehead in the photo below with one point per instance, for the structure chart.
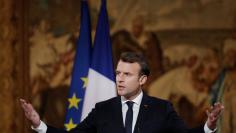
(127, 65)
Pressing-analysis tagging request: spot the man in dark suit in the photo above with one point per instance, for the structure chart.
(132, 111)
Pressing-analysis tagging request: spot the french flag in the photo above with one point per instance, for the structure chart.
(101, 80)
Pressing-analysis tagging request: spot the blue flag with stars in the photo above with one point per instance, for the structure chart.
(80, 70)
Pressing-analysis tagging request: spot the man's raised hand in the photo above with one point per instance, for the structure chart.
(30, 113)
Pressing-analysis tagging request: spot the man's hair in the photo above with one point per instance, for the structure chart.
(133, 57)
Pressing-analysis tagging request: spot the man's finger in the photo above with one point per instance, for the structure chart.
(215, 111)
(26, 106)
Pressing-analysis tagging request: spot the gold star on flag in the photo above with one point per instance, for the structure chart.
(70, 125)
(74, 101)
(85, 80)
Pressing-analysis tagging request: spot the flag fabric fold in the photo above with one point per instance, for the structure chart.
(101, 80)
(81, 66)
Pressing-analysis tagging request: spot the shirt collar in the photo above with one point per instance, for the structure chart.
(136, 100)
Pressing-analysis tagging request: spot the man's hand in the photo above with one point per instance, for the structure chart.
(213, 115)
(30, 113)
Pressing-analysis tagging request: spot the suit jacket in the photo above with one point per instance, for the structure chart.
(155, 116)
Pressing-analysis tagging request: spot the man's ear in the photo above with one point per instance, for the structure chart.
(142, 79)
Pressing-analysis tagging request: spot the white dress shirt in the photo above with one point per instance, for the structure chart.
(42, 128)
(136, 105)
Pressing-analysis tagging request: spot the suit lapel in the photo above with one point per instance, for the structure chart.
(143, 112)
(118, 118)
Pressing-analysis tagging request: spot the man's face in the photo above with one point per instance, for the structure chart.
(128, 79)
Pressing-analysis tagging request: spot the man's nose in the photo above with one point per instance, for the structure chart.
(120, 78)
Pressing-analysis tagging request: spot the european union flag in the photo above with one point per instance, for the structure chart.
(101, 85)
(80, 70)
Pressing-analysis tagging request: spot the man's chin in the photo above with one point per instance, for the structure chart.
(121, 93)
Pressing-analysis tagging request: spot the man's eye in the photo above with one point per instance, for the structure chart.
(127, 74)
(117, 73)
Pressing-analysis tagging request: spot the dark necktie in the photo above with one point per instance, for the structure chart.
(129, 117)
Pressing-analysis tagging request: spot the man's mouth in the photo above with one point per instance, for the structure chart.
(121, 87)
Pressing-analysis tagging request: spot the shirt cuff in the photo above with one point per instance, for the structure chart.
(208, 130)
(42, 128)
